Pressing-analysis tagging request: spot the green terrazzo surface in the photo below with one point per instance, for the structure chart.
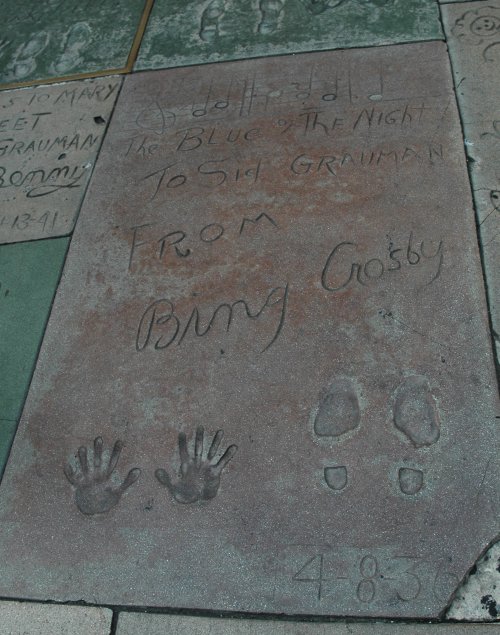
(181, 33)
(54, 38)
(29, 273)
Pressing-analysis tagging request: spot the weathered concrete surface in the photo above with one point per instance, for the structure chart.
(24, 618)
(479, 597)
(58, 38)
(49, 140)
(135, 623)
(257, 255)
(29, 273)
(473, 32)
(180, 33)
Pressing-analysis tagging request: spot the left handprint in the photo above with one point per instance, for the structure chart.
(95, 492)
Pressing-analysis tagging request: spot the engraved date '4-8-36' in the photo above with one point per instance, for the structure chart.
(326, 575)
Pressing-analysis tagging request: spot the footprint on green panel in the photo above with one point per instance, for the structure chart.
(76, 41)
(209, 28)
(24, 61)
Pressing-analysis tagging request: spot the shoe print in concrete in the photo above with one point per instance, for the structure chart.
(55, 38)
(274, 320)
(50, 138)
(181, 33)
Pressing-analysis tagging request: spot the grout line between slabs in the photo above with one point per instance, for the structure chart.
(114, 623)
(255, 617)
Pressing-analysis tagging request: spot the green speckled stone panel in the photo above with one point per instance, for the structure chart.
(29, 273)
(56, 38)
(182, 33)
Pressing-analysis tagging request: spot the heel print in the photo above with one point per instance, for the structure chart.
(411, 480)
(336, 477)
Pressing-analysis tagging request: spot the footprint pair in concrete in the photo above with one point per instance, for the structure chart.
(414, 413)
(270, 11)
(25, 59)
(271, 14)
(97, 486)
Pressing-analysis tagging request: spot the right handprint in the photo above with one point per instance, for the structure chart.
(199, 476)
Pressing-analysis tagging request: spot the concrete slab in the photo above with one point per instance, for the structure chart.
(473, 31)
(29, 273)
(180, 33)
(134, 623)
(261, 260)
(49, 140)
(57, 38)
(24, 618)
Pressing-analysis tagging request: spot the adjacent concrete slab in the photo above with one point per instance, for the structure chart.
(181, 33)
(24, 618)
(479, 597)
(57, 38)
(29, 273)
(135, 623)
(266, 380)
(473, 31)
(49, 140)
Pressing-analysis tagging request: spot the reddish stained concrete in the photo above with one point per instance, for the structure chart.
(275, 538)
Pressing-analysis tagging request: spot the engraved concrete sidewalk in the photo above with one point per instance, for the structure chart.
(248, 317)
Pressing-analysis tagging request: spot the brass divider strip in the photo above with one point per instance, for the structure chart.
(132, 56)
(65, 78)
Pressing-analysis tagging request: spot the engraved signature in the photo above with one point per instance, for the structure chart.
(354, 269)
(160, 326)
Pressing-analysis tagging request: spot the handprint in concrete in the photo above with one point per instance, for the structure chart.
(95, 489)
(199, 475)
